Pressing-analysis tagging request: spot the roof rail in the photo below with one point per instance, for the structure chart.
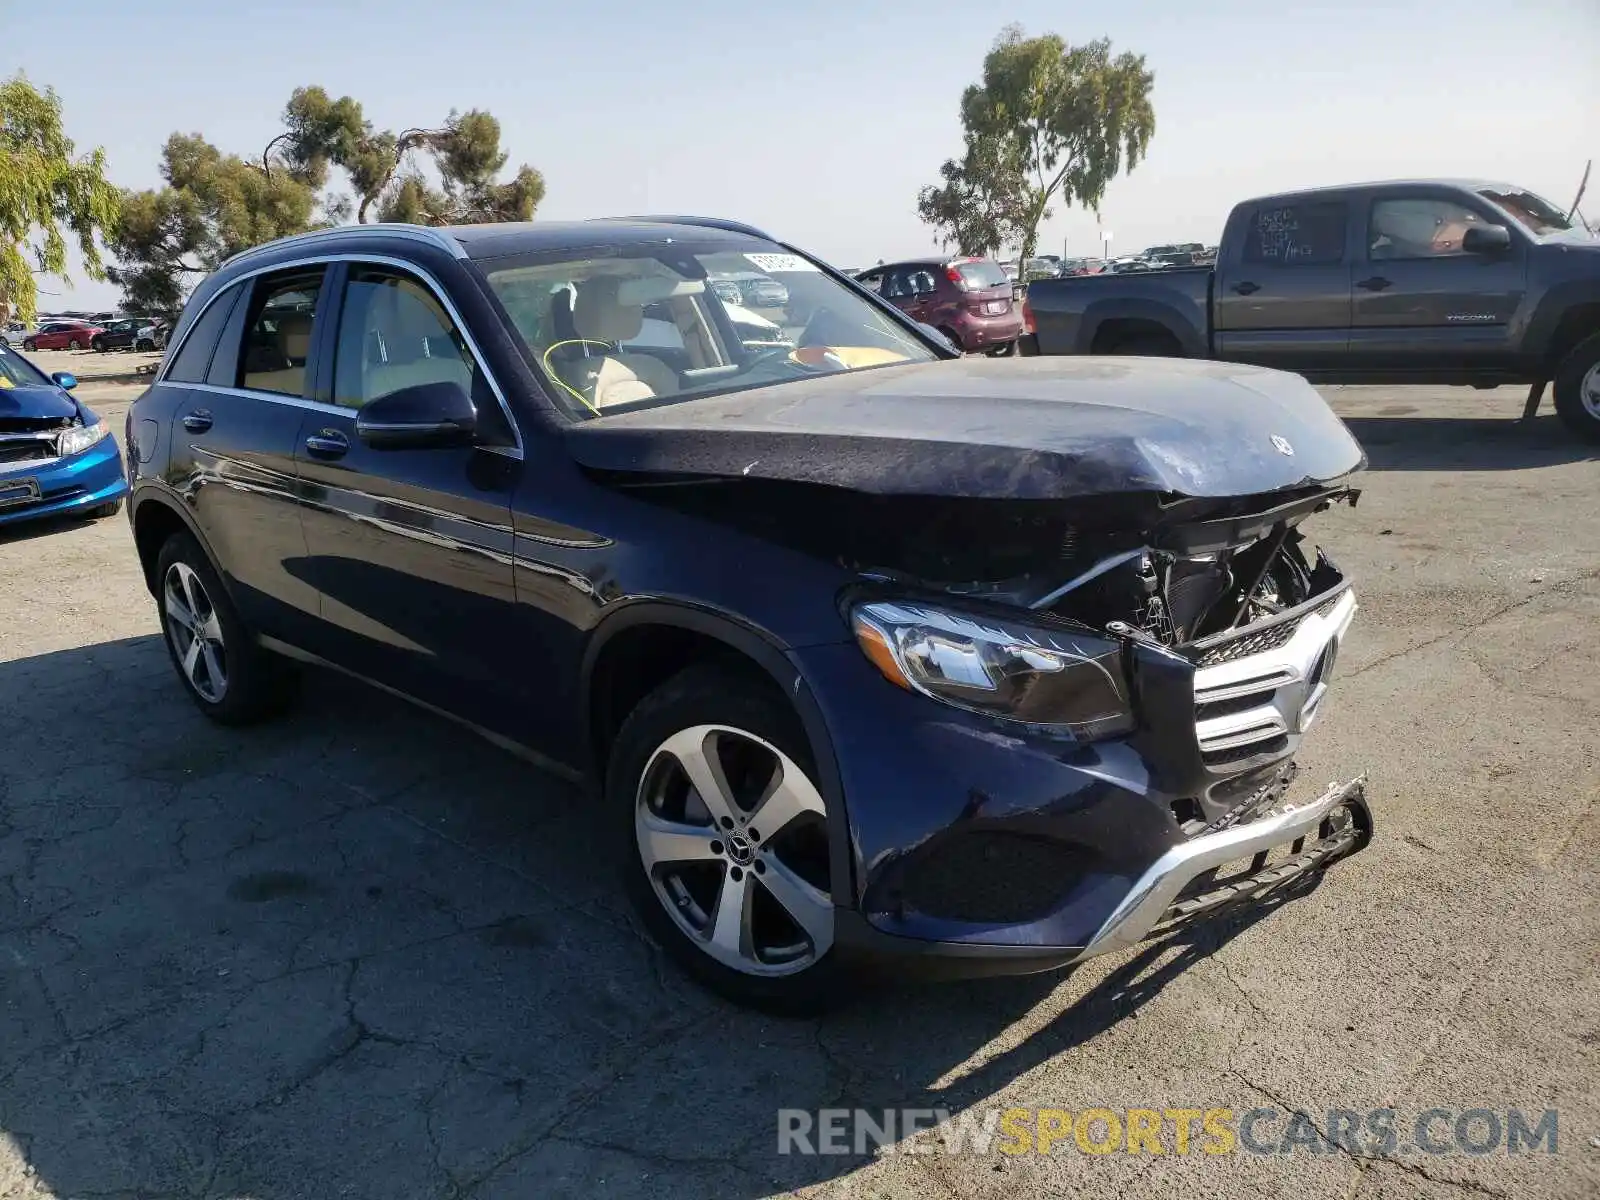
(430, 234)
(705, 222)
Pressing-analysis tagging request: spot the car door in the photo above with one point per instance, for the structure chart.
(411, 549)
(1282, 298)
(239, 382)
(1426, 307)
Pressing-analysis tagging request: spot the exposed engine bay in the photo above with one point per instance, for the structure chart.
(1170, 569)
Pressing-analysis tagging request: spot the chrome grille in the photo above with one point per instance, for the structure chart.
(1253, 692)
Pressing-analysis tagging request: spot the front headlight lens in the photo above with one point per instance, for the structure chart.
(80, 437)
(1068, 681)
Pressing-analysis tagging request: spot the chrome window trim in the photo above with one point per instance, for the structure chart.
(379, 260)
(426, 234)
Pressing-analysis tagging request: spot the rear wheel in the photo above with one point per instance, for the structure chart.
(724, 841)
(227, 674)
(954, 339)
(74, 344)
(1577, 388)
(1004, 350)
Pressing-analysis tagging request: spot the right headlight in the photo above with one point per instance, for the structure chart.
(1073, 683)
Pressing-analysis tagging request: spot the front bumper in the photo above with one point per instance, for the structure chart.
(978, 847)
(63, 486)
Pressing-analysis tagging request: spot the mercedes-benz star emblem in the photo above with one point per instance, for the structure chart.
(1281, 445)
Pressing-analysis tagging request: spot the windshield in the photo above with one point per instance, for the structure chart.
(16, 371)
(669, 321)
(982, 273)
(1533, 213)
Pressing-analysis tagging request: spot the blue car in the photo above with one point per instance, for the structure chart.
(57, 457)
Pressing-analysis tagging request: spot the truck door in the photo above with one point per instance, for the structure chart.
(1429, 303)
(1282, 295)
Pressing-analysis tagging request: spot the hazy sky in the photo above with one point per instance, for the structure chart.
(820, 122)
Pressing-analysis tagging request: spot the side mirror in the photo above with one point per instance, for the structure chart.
(1486, 239)
(424, 417)
(65, 380)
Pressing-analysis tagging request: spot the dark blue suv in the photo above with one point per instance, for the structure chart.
(872, 652)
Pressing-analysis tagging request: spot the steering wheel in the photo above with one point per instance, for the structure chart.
(605, 348)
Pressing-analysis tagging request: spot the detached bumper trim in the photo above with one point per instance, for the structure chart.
(1149, 900)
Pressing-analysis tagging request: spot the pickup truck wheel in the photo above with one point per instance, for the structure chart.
(1578, 389)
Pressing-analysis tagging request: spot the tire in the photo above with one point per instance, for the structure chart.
(30, 345)
(98, 345)
(1004, 350)
(1577, 389)
(145, 345)
(74, 344)
(109, 509)
(954, 339)
(707, 714)
(1148, 345)
(246, 683)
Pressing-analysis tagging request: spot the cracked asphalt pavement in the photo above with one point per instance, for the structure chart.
(360, 953)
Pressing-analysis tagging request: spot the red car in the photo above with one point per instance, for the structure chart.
(966, 299)
(61, 335)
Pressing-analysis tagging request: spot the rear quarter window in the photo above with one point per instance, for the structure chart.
(194, 355)
(1296, 235)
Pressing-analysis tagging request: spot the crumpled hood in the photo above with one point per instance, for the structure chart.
(1031, 428)
(29, 404)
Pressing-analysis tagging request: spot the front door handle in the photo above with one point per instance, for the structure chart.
(198, 421)
(328, 443)
(1376, 284)
(1246, 288)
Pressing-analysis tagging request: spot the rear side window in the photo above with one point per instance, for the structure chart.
(1296, 235)
(982, 273)
(194, 355)
(277, 335)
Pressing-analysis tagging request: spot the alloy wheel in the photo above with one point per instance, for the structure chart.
(195, 632)
(1589, 391)
(733, 837)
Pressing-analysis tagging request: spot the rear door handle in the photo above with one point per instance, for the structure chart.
(198, 421)
(1376, 284)
(1245, 288)
(328, 443)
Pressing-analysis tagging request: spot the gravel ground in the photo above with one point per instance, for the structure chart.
(360, 953)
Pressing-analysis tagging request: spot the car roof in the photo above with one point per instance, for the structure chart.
(1387, 185)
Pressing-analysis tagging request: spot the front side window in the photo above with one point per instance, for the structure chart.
(393, 334)
(1296, 235)
(277, 336)
(741, 315)
(1423, 227)
(1534, 213)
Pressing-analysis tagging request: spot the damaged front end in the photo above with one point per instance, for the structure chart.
(1122, 682)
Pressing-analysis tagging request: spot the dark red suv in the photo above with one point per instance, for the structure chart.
(966, 299)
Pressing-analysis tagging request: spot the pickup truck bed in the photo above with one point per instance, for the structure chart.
(1412, 282)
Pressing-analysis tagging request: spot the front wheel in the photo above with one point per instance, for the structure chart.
(724, 842)
(109, 509)
(98, 345)
(226, 673)
(145, 345)
(29, 345)
(1577, 388)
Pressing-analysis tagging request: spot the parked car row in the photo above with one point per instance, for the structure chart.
(120, 333)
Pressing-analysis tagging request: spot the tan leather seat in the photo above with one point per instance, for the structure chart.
(620, 376)
(294, 347)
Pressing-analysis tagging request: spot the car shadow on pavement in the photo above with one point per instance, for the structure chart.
(1401, 443)
(360, 952)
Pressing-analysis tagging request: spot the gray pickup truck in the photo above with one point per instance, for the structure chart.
(1409, 282)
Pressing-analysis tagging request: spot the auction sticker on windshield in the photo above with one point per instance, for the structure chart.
(774, 263)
